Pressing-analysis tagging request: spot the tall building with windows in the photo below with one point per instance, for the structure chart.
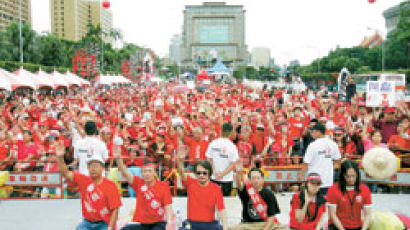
(392, 15)
(214, 30)
(175, 49)
(70, 18)
(9, 12)
(260, 57)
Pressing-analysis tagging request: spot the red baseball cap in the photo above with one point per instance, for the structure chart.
(390, 110)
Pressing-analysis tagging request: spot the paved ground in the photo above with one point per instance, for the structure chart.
(66, 214)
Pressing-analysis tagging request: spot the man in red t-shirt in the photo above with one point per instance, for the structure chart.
(203, 196)
(154, 201)
(100, 197)
(197, 146)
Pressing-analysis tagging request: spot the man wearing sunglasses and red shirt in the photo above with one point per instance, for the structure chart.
(203, 196)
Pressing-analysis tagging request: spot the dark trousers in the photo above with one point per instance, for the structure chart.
(191, 225)
(156, 226)
(225, 186)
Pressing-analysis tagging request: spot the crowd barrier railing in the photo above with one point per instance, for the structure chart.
(285, 174)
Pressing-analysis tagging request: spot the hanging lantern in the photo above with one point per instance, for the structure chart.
(371, 1)
(106, 4)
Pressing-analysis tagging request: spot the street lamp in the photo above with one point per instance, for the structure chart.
(20, 35)
(383, 45)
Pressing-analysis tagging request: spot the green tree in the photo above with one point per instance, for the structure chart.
(52, 50)
(30, 44)
(398, 42)
(352, 64)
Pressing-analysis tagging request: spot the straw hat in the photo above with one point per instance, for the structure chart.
(380, 163)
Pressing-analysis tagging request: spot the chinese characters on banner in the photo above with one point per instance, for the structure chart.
(380, 93)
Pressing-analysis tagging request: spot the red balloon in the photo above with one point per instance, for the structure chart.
(371, 1)
(106, 4)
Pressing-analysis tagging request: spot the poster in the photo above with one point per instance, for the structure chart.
(380, 93)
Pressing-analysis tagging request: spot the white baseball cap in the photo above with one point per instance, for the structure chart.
(95, 157)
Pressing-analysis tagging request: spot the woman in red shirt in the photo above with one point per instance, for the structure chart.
(27, 152)
(308, 206)
(347, 148)
(285, 143)
(347, 199)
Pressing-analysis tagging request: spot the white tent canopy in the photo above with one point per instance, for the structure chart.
(112, 80)
(71, 80)
(156, 79)
(10, 79)
(45, 79)
(59, 80)
(77, 79)
(24, 79)
(4, 82)
(28, 78)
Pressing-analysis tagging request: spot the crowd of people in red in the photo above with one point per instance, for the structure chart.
(271, 126)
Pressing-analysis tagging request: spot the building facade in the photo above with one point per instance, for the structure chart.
(9, 12)
(212, 31)
(260, 57)
(70, 18)
(392, 15)
(372, 41)
(175, 49)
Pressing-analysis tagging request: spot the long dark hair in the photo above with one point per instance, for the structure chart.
(358, 141)
(320, 200)
(348, 164)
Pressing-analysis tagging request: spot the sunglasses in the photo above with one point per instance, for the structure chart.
(204, 173)
(338, 134)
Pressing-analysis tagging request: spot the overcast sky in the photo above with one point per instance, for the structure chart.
(292, 29)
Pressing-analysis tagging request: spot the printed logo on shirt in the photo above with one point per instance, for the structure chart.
(83, 151)
(218, 150)
(223, 155)
(154, 204)
(359, 199)
(90, 188)
(253, 214)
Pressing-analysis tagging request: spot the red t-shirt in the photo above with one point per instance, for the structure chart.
(4, 151)
(24, 151)
(296, 127)
(306, 224)
(111, 197)
(202, 200)
(196, 148)
(401, 141)
(144, 213)
(245, 152)
(349, 205)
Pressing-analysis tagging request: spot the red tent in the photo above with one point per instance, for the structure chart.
(202, 76)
